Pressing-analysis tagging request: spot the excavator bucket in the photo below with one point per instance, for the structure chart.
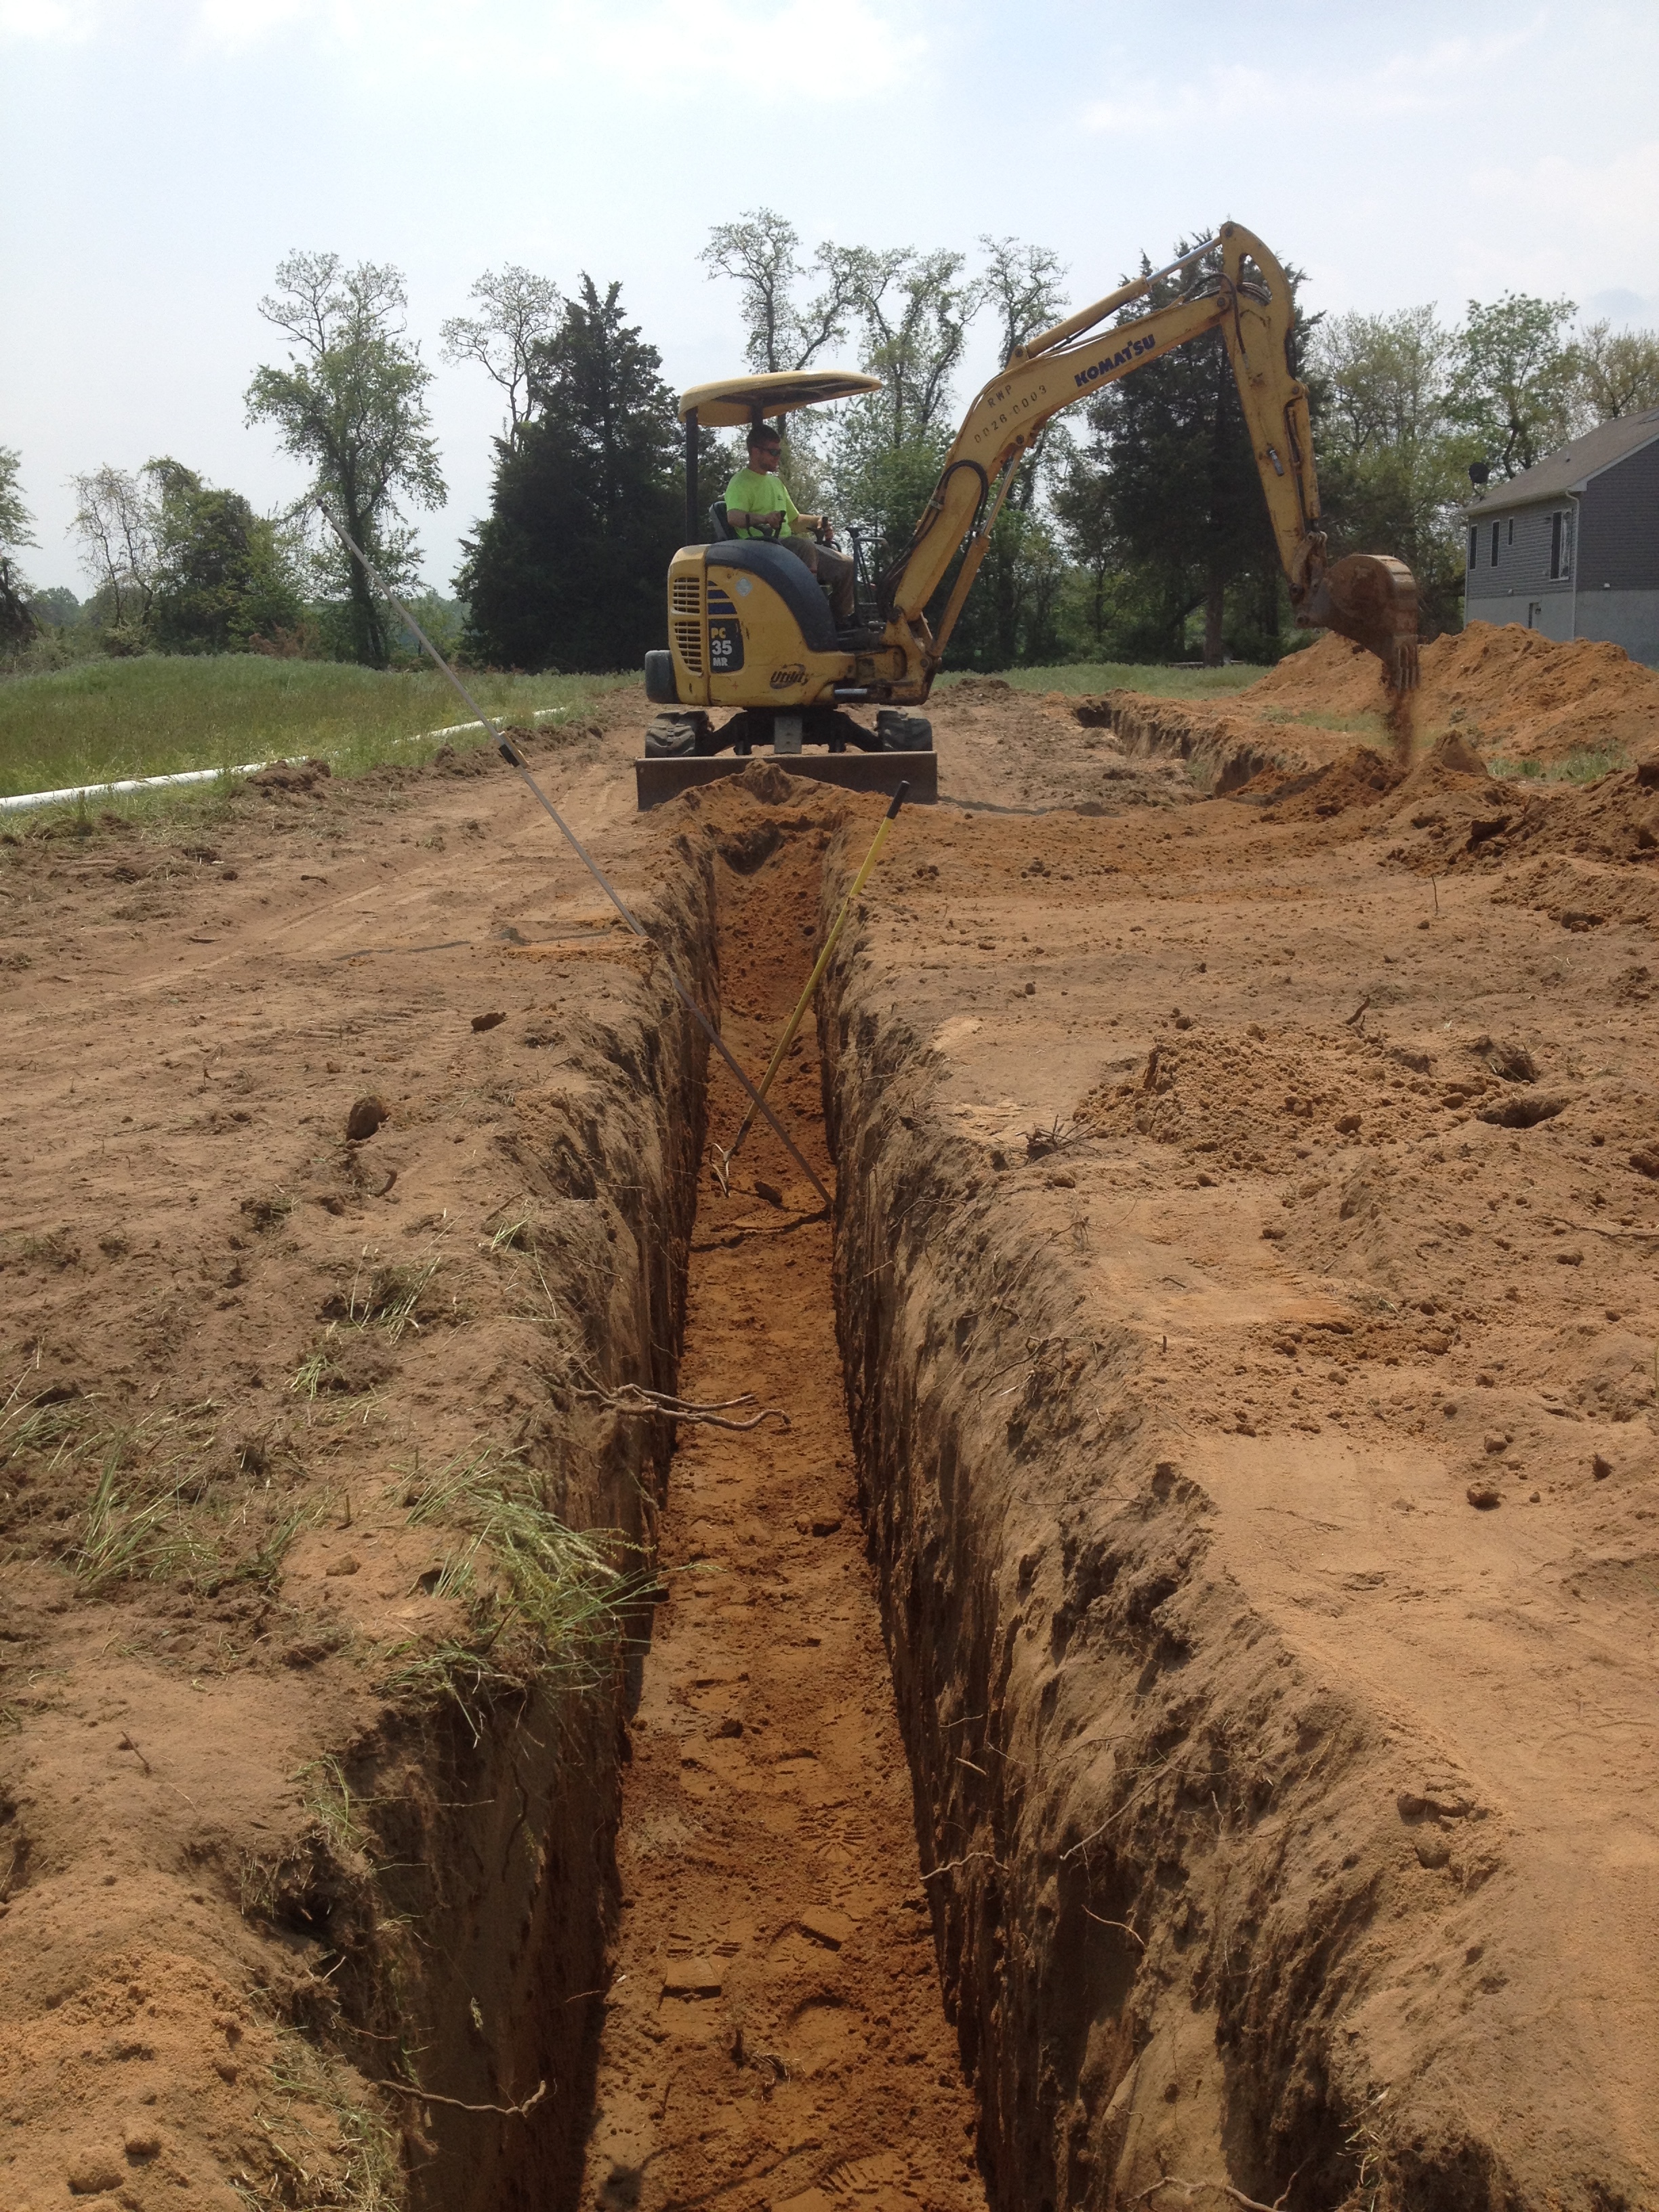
(1371, 598)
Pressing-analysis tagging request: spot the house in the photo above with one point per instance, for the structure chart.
(1570, 548)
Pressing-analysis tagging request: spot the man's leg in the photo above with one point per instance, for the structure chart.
(835, 569)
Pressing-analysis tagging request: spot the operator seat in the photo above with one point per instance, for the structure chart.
(719, 528)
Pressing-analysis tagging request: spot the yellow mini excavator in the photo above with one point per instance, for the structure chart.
(750, 630)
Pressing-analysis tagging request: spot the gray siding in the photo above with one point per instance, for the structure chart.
(1522, 570)
(1550, 616)
(1620, 527)
(1629, 619)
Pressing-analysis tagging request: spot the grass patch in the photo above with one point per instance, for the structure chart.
(160, 715)
(1078, 677)
(541, 1601)
(1366, 725)
(161, 1512)
(326, 1795)
(323, 2145)
(1586, 766)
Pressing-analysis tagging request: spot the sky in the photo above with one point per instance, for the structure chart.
(159, 157)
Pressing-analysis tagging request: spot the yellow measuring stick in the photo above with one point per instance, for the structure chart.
(812, 980)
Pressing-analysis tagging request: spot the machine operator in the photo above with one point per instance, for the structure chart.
(759, 506)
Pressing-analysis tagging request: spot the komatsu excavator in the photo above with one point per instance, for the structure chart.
(750, 628)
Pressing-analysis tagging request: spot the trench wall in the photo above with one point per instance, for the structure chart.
(473, 1923)
(1224, 751)
(1117, 1766)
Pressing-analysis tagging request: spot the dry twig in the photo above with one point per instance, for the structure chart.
(634, 1399)
(455, 2104)
(1191, 2189)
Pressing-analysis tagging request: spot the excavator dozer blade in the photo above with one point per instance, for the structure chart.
(1371, 598)
(658, 781)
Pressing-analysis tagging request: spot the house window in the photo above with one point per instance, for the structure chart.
(1561, 544)
(1509, 540)
(1475, 545)
(1494, 545)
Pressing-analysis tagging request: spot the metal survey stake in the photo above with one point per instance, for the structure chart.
(758, 1099)
(510, 753)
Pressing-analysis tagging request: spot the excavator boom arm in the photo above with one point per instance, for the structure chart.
(1369, 598)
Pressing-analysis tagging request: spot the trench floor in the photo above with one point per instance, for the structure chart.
(775, 2035)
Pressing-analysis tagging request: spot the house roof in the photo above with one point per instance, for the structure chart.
(1567, 470)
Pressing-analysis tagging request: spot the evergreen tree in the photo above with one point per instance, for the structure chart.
(568, 570)
(1178, 495)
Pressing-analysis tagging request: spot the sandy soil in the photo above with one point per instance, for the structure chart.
(1288, 1175)
(1244, 1284)
(775, 2035)
(243, 1355)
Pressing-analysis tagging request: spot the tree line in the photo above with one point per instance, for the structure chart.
(1136, 531)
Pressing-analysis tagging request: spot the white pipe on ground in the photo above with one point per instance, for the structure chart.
(206, 774)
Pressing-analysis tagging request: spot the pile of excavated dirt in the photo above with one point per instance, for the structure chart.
(1359, 777)
(1501, 693)
(1511, 693)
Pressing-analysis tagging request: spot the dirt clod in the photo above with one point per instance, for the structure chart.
(366, 1116)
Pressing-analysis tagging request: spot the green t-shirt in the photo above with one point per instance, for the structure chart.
(752, 493)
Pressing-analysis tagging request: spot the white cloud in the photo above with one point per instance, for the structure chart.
(1433, 80)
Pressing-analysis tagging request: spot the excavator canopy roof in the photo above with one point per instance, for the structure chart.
(743, 400)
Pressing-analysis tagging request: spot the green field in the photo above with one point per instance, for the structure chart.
(106, 719)
(1080, 677)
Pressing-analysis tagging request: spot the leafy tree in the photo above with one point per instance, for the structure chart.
(1617, 373)
(179, 566)
(914, 310)
(567, 570)
(351, 402)
(16, 622)
(520, 312)
(58, 607)
(223, 576)
(761, 252)
(1021, 284)
(1393, 463)
(117, 520)
(1012, 615)
(1513, 377)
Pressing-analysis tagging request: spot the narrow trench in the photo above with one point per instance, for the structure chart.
(775, 2035)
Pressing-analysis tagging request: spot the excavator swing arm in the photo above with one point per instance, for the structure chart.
(1370, 598)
